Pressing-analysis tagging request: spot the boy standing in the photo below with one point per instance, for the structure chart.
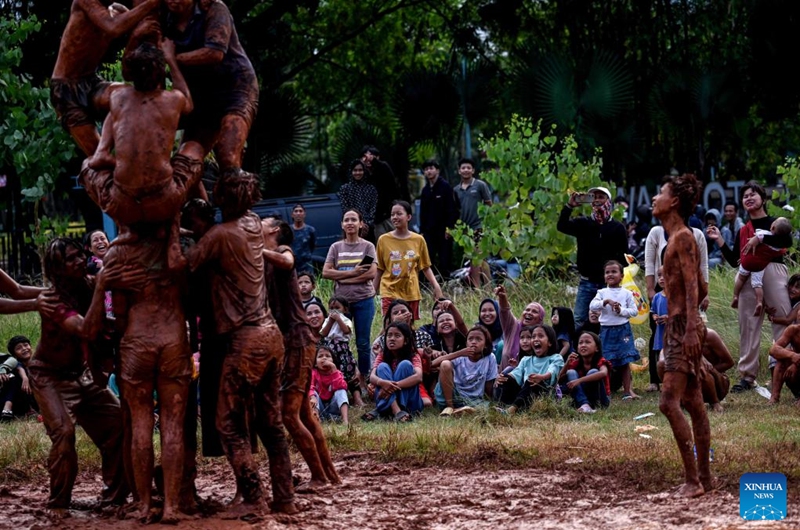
(685, 332)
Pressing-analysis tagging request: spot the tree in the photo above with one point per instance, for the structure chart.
(34, 147)
(535, 171)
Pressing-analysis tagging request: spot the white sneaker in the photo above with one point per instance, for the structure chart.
(586, 409)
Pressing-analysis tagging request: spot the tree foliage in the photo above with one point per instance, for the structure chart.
(536, 171)
(33, 143)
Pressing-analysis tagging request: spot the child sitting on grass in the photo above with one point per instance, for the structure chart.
(16, 395)
(328, 391)
(585, 375)
(534, 375)
(466, 377)
(336, 332)
(396, 376)
(617, 307)
(307, 283)
(564, 325)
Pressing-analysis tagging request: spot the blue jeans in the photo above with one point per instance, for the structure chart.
(586, 292)
(362, 312)
(592, 394)
(408, 398)
(332, 410)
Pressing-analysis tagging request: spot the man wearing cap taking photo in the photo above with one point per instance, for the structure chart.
(600, 238)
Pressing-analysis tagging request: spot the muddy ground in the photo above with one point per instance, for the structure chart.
(377, 495)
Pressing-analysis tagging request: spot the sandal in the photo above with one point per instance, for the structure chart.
(742, 386)
(628, 397)
(371, 415)
(402, 417)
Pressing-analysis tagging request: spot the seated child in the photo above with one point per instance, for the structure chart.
(753, 264)
(16, 394)
(328, 392)
(336, 332)
(396, 376)
(534, 375)
(307, 283)
(466, 376)
(585, 376)
(564, 324)
(793, 286)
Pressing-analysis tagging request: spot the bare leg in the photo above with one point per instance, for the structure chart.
(778, 374)
(172, 397)
(139, 398)
(693, 401)
(674, 385)
(230, 141)
(710, 392)
(627, 381)
(344, 411)
(313, 426)
(291, 405)
(759, 301)
(86, 137)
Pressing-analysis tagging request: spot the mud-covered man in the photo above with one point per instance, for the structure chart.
(77, 93)
(252, 365)
(685, 332)
(222, 79)
(716, 361)
(62, 382)
(787, 370)
(301, 349)
(139, 183)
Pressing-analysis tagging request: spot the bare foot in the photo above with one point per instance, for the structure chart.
(690, 490)
(758, 310)
(174, 517)
(357, 401)
(735, 303)
(287, 508)
(244, 510)
(312, 486)
(709, 484)
(58, 513)
(716, 407)
(772, 400)
(147, 515)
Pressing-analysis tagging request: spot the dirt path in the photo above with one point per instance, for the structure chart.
(375, 495)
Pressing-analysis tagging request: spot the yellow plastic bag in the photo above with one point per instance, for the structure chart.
(628, 283)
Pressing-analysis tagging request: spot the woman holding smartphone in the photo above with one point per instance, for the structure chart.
(351, 265)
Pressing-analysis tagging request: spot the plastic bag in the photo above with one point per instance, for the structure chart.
(628, 283)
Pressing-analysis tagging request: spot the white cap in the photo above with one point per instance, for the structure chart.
(601, 188)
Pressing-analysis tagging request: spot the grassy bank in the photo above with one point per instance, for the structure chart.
(749, 436)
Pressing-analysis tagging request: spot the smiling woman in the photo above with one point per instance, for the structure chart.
(402, 255)
(532, 315)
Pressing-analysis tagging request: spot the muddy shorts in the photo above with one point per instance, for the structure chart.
(297, 365)
(721, 381)
(210, 106)
(155, 204)
(252, 348)
(144, 358)
(73, 99)
(675, 358)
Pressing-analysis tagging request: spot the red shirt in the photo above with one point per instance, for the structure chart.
(579, 367)
(326, 384)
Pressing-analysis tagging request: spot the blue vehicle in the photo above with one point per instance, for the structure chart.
(323, 212)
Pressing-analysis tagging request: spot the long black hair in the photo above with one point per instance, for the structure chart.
(408, 350)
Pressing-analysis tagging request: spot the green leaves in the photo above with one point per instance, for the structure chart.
(33, 142)
(536, 171)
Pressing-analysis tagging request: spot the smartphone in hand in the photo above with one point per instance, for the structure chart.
(367, 260)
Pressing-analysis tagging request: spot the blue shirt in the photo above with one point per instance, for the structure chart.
(659, 307)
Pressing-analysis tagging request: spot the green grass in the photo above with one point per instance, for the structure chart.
(749, 436)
